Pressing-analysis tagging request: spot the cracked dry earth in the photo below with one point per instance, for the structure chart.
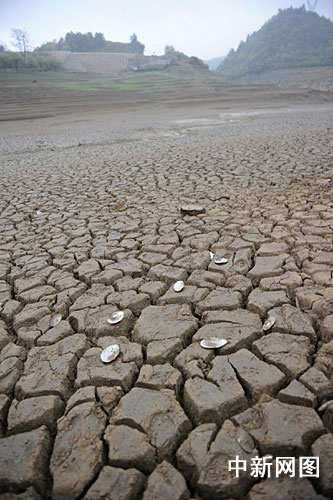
(92, 229)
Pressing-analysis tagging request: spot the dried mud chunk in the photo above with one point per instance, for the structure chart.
(266, 267)
(167, 274)
(51, 370)
(191, 455)
(10, 372)
(53, 335)
(10, 309)
(260, 301)
(129, 447)
(324, 360)
(107, 277)
(22, 285)
(24, 460)
(240, 284)
(32, 412)
(82, 395)
(131, 300)
(30, 316)
(87, 269)
(194, 361)
(129, 351)
(327, 329)
(91, 371)
(164, 323)
(4, 335)
(116, 484)
(154, 289)
(284, 487)
(315, 300)
(94, 322)
(158, 414)
(78, 449)
(28, 494)
(317, 383)
(323, 448)
(206, 279)
(109, 397)
(218, 397)
(92, 298)
(160, 351)
(271, 249)
(258, 377)
(288, 281)
(184, 296)
(240, 328)
(289, 319)
(152, 259)
(199, 260)
(281, 429)
(297, 394)
(215, 481)
(166, 483)
(221, 298)
(290, 353)
(159, 377)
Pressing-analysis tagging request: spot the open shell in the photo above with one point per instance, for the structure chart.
(116, 317)
(178, 286)
(110, 353)
(55, 319)
(244, 440)
(213, 343)
(221, 261)
(268, 323)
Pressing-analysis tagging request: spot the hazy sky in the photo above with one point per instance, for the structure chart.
(205, 28)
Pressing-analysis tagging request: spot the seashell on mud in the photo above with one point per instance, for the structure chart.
(213, 343)
(325, 405)
(211, 255)
(244, 440)
(38, 212)
(268, 323)
(116, 317)
(221, 261)
(178, 286)
(193, 209)
(110, 353)
(55, 319)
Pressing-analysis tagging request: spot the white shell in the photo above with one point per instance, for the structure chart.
(116, 317)
(178, 286)
(213, 343)
(325, 405)
(211, 255)
(38, 212)
(221, 261)
(244, 440)
(110, 353)
(268, 323)
(55, 319)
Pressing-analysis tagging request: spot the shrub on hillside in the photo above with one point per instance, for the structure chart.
(12, 60)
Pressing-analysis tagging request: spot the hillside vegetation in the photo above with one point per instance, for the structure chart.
(87, 42)
(292, 38)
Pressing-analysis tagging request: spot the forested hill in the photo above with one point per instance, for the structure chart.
(87, 42)
(292, 38)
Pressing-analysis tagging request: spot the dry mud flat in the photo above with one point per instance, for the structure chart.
(88, 230)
